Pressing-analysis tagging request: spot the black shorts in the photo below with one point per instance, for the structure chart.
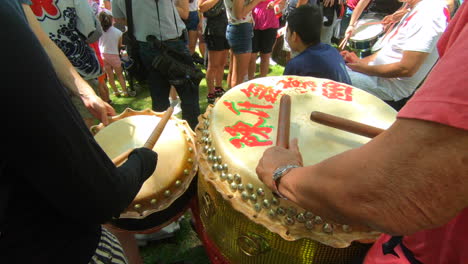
(263, 40)
(216, 43)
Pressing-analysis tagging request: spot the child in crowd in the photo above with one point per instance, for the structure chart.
(314, 58)
(109, 44)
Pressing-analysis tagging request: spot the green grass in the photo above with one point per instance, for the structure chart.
(184, 246)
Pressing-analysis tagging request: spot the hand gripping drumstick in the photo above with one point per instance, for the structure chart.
(284, 120)
(152, 139)
(345, 124)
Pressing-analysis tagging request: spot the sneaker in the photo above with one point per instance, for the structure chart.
(211, 97)
(219, 91)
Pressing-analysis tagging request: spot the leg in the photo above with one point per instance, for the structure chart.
(264, 64)
(102, 87)
(241, 65)
(110, 77)
(252, 66)
(173, 93)
(193, 38)
(231, 69)
(121, 78)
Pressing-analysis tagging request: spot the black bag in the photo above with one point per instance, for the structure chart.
(136, 70)
(177, 66)
(217, 9)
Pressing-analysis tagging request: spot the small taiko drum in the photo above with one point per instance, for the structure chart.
(166, 194)
(367, 33)
(240, 215)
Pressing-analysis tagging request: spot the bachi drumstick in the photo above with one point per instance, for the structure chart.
(284, 120)
(152, 139)
(345, 124)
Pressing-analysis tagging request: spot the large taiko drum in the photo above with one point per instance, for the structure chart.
(166, 194)
(240, 215)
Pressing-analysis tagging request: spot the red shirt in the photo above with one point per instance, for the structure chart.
(443, 98)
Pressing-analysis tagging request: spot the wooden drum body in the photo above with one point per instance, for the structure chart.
(239, 213)
(169, 189)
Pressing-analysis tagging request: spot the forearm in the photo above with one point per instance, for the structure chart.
(361, 5)
(62, 66)
(207, 5)
(183, 8)
(392, 70)
(241, 10)
(416, 183)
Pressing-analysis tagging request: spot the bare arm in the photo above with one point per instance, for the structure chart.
(205, 5)
(240, 10)
(411, 177)
(407, 67)
(67, 73)
(183, 8)
(301, 2)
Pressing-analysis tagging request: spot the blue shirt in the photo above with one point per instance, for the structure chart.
(321, 61)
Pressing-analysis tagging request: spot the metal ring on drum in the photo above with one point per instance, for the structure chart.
(166, 194)
(367, 33)
(240, 215)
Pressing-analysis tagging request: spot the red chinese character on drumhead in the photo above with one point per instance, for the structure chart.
(299, 86)
(334, 90)
(245, 134)
(261, 92)
(248, 108)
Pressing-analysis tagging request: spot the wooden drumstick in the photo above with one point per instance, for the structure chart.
(152, 139)
(284, 120)
(345, 124)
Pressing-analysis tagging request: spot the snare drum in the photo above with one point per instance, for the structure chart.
(240, 215)
(167, 192)
(368, 31)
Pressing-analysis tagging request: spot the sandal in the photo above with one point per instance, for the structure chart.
(219, 91)
(211, 98)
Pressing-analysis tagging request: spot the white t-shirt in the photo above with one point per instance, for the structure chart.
(109, 41)
(419, 30)
(230, 14)
(193, 6)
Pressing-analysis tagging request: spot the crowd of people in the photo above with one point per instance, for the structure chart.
(414, 191)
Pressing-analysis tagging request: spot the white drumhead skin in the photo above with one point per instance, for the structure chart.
(175, 157)
(364, 32)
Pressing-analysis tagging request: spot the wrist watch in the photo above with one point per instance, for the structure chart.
(277, 174)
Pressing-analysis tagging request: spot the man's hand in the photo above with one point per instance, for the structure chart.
(276, 157)
(98, 108)
(359, 66)
(349, 57)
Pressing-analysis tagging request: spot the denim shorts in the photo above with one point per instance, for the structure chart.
(240, 37)
(192, 21)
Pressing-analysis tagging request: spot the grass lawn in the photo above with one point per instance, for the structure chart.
(184, 247)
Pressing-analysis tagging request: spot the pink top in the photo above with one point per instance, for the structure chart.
(263, 17)
(443, 98)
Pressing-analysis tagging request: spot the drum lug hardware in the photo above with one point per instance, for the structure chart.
(280, 211)
(233, 186)
(266, 203)
(240, 187)
(301, 218)
(289, 220)
(223, 176)
(309, 215)
(309, 225)
(167, 193)
(327, 228)
(318, 220)
(253, 197)
(178, 183)
(245, 196)
(257, 207)
(346, 228)
(271, 213)
(292, 212)
(250, 187)
(230, 177)
(260, 192)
